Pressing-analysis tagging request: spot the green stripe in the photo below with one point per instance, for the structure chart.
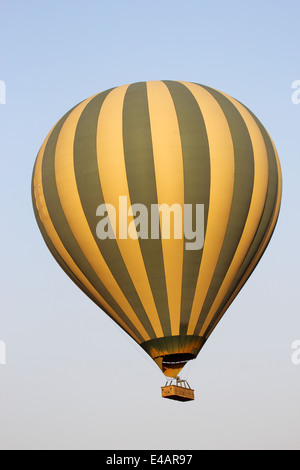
(62, 227)
(196, 167)
(53, 250)
(61, 262)
(91, 196)
(139, 162)
(270, 205)
(243, 187)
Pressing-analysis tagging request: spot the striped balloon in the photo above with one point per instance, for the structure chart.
(157, 143)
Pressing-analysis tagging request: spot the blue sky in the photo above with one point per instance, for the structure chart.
(64, 385)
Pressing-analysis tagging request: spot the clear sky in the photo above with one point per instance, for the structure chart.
(73, 379)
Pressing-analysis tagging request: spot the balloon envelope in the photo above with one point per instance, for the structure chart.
(158, 199)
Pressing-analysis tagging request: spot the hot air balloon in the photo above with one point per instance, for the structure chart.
(152, 145)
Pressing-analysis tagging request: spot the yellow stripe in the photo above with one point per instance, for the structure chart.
(51, 232)
(221, 193)
(112, 171)
(279, 196)
(260, 187)
(263, 245)
(168, 162)
(71, 204)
